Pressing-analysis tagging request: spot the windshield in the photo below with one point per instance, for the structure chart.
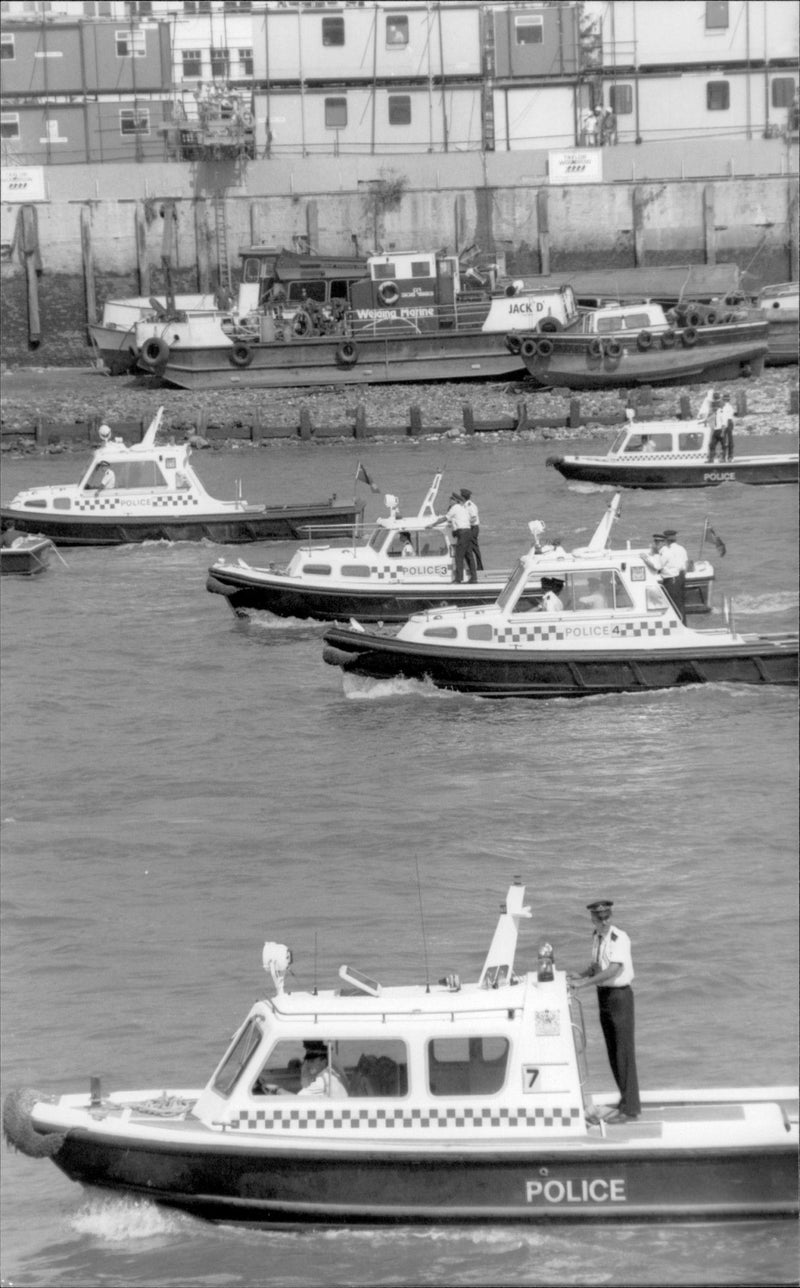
(511, 586)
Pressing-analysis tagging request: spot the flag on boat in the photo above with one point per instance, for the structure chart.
(710, 535)
(363, 477)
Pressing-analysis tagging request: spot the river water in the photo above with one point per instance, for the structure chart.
(178, 787)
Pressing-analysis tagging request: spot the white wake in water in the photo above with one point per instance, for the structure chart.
(122, 1220)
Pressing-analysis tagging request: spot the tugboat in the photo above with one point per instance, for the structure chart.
(150, 492)
(673, 453)
(404, 566)
(439, 1101)
(593, 622)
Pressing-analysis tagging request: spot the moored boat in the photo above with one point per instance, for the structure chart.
(24, 556)
(674, 453)
(636, 344)
(437, 1101)
(115, 339)
(592, 623)
(149, 492)
(780, 305)
(406, 565)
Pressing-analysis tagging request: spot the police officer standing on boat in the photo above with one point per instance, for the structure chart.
(671, 561)
(611, 972)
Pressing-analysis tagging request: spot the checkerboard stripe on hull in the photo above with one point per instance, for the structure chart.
(555, 632)
(350, 1119)
(100, 505)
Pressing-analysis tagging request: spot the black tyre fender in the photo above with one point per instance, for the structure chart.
(613, 353)
(544, 347)
(241, 355)
(529, 347)
(668, 339)
(644, 340)
(513, 343)
(595, 349)
(694, 318)
(689, 336)
(346, 354)
(550, 325)
(154, 353)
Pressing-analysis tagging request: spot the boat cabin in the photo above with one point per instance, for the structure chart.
(272, 277)
(686, 439)
(430, 1060)
(623, 320)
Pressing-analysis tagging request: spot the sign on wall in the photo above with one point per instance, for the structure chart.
(22, 183)
(575, 165)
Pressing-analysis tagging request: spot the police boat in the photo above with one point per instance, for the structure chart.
(433, 1102)
(148, 492)
(404, 566)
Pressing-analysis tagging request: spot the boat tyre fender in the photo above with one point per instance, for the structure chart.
(302, 324)
(712, 317)
(644, 340)
(155, 353)
(550, 324)
(544, 347)
(513, 343)
(693, 318)
(347, 354)
(595, 349)
(388, 293)
(689, 336)
(613, 353)
(668, 339)
(241, 355)
(529, 347)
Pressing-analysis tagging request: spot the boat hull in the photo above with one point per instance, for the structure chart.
(380, 1185)
(680, 474)
(248, 594)
(25, 560)
(395, 357)
(511, 673)
(274, 523)
(721, 352)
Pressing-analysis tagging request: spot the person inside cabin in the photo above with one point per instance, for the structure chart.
(596, 597)
(103, 477)
(318, 1076)
(550, 602)
(402, 546)
(647, 443)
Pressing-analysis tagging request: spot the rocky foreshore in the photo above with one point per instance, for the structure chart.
(766, 405)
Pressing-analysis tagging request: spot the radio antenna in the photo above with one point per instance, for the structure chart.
(422, 924)
(314, 989)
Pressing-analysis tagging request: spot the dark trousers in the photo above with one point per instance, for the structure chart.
(717, 441)
(727, 442)
(463, 554)
(676, 589)
(616, 1021)
(475, 548)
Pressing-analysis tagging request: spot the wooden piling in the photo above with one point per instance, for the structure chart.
(306, 425)
(414, 420)
(360, 428)
(142, 262)
(685, 412)
(468, 417)
(88, 264)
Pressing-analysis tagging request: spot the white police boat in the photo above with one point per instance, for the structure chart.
(404, 566)
(149, 491)
(433, 1102)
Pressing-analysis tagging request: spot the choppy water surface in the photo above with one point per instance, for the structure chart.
(178, 788)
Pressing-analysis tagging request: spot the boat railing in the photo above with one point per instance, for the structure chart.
(343, 534)
(579, 1039)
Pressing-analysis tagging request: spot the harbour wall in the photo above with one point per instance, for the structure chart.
(103, 230)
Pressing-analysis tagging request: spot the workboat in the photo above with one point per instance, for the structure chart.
(25, 556)
(622, 345)
(149, 491)
(404, 566)
(592, 622)
(114, 338)
(412, 317)
(673, 453)
(438, 1101)
(780, 305)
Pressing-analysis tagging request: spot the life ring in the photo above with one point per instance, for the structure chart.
(154, 353)
(347, 353)
(513, 343)
(544, 347)
(668, 339)
(613, 352)
(689, 336)
(388, 293)
(241, 355)
(644, 340)
(302, 323)
(693, 318)
(529, 347)
(595, 349)
(550, 324)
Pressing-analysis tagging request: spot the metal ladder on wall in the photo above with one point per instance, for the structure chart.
(221, 242)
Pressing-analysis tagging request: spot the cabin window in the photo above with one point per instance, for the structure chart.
(366, 1067)
(467, 1066)
(62, 503)
(129, 474)
(782, 91)
(132, 121)
(396, 29)
(317, 570)
(433, 543)
(335, 113)
(356, 570)
(251, 272)
(383, 272)
(333, 31)
(690, 442)
(716, 15)
(645, 442)
(399, 109)
(529, 30)
(130, 44)
(192, 64)
(299, 291)
(421, 268)
(511, 585)
(7, 46)
(399, 543)
(242, 1048)
(481, 632)
(220, 63)
(620, 99)
(442, 632)
(598, 591)
(718, 96)
(340, 290)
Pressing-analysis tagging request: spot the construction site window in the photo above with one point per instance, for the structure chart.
(192, 63)
(140, 8)
(716, 15)
(620, 99)
(529, 30)
(782, 91)
(7, 47)
(396, 29)
(220, 63)
(237, 6)
(131, 122)
(9, 125)
(335, 113)
(333, 31)
(718, 96)
(399, 109)
(246, 62)
(130, 44)
(196, 6)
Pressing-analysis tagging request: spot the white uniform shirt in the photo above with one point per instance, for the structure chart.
(608, 949)
(725, 414)
(472, 510)
(550, 603)
(327, 1083)
(673, 559)
(458, 516)
(109, 478)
